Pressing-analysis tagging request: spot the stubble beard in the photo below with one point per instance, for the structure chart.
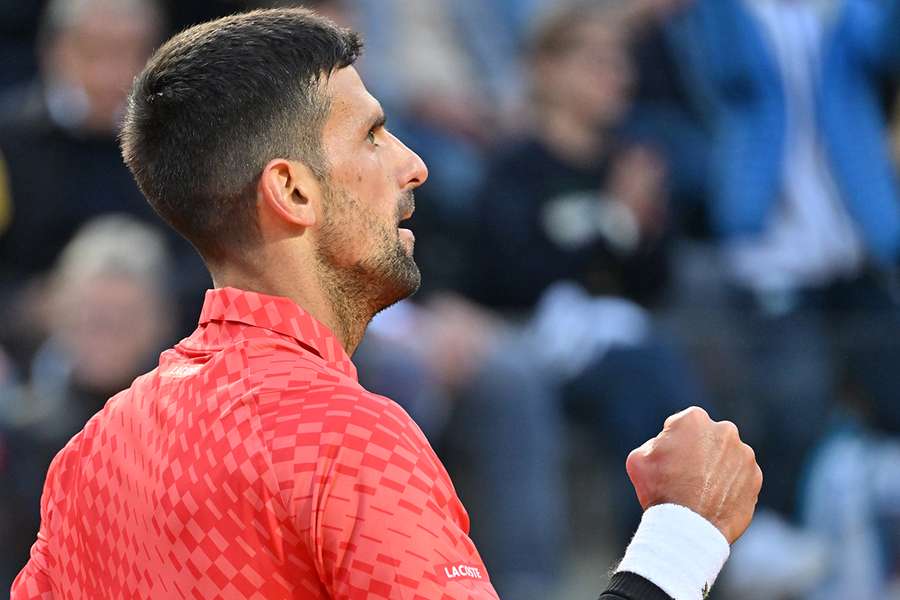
(360, 290)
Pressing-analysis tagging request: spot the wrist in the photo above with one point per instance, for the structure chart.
(678, 550)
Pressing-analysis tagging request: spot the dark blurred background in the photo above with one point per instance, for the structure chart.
(633, 206)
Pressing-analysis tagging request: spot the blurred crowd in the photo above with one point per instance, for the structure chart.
(634, 206)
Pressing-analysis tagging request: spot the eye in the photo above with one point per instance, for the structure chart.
(370, 137)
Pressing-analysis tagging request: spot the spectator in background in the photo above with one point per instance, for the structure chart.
(20, 23)
(572, 233)
(804, 201)
(109, 314)
(58, 141)
(573, 229)
(665, 113)
(80, 78)
(572, 199)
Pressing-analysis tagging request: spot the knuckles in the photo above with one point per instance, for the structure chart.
(757, 478)
(695, 414)
(729, 431)
(750, 453)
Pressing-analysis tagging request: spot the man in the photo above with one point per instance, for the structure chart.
(251, 463)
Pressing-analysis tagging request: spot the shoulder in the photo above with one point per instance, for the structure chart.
(302, 400)
(266, 362)
(333, 424)
(331, 414)
(340, 443)
(315, 420)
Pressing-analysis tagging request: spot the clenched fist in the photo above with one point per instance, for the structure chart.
(700, 464)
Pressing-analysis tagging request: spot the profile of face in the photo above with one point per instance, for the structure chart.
(97, 58)
(363, 252)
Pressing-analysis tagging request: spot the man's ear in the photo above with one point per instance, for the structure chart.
(289, 193)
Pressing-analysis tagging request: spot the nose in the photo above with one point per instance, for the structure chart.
(413, 172)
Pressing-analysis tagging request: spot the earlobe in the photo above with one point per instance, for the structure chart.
(288, 192)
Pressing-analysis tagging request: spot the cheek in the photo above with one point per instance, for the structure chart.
(351, 234)
(372, 179)
(376, 194)
(365, 202)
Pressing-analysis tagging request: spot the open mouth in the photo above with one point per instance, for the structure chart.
(406, 209)
(404, 232)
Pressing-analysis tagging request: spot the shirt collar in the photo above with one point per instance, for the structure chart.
(280, 315)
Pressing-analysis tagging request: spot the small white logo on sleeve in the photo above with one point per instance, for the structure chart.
(461, 571)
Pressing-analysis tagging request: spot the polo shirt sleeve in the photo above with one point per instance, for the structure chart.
(33, 582)
(383, 519)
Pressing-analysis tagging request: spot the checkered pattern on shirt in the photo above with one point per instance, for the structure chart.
(250, 464)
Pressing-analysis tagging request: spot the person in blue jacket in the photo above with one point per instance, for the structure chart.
(804, 204)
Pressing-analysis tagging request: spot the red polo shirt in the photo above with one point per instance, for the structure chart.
(251, 464)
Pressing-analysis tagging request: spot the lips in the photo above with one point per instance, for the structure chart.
(406, 207)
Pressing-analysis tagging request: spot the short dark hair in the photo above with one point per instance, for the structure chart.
(220, 100)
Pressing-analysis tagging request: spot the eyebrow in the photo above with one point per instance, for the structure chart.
(378, 121)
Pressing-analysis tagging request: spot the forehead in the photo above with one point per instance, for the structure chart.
(352, 106)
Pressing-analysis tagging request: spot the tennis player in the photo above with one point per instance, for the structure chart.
(250, 463)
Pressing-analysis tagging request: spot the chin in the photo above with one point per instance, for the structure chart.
(414, 284)
(405, 286)
(386, 278)
(401, 282)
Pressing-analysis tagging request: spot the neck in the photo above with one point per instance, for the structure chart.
(317, 295)
(570, 137)
(350, 312)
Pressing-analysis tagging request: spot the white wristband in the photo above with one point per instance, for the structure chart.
(678, 550)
